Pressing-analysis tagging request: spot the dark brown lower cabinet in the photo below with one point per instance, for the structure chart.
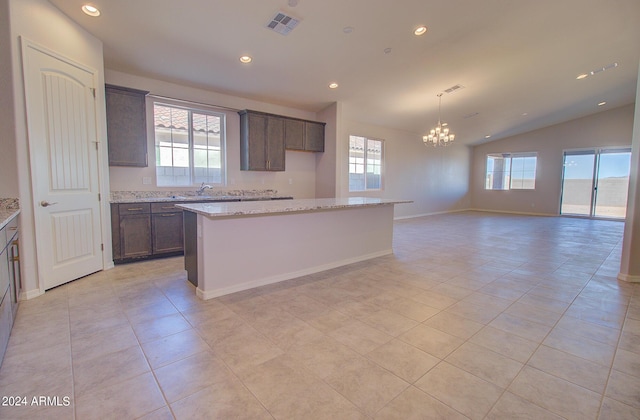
(145, 230)
(167, 232)
(135, 235)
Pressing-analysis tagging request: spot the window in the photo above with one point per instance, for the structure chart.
(365, 164)
(511, 171)
(189, 146)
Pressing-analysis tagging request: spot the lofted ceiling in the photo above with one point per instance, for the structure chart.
(517, 60)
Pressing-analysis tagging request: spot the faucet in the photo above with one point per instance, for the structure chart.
(202, 188)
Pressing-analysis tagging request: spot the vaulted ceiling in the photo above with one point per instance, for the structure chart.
(517, 61)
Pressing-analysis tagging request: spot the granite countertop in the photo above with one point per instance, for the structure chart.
(178, 196)
(286, 206)
(9, 208)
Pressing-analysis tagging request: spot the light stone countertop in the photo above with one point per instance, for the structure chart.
(6, 215)
(284, 206)
(178, 198)
(188, 195)
(9, 208)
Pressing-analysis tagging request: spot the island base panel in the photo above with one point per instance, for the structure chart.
(240, 253)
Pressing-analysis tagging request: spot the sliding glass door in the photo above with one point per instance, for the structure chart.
(595, 183)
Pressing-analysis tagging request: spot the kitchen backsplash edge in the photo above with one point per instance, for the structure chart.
(137, 195)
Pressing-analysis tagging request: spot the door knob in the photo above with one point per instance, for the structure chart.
(46, 203)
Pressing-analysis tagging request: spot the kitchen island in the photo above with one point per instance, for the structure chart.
(237, 246)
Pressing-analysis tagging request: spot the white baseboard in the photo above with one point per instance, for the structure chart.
(286, 276)
(523, 213)
(628, 278)
(30, 294)
(413, 216)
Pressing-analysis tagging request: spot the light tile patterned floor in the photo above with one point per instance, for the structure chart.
(475, 316)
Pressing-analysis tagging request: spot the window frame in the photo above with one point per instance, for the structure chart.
(365, 164)
(510, 182)
(191, 108)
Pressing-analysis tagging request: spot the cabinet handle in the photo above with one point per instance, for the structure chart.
(13, 228)
(168, 214)
(135, 209)
(15, 259)
(168, 207)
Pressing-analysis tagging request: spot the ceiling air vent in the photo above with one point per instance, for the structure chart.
(453, 88)
(282, 23)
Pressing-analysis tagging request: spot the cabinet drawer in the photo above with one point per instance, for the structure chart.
(11, 229)
(134, 208)
(169, 207)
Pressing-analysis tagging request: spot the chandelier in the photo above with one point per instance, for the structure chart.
(439, 136)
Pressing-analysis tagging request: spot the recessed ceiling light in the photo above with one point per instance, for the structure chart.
(347, 29)
(602, 103)
(387, 50)
(246, 59)
(487, 136)
(333, 85)
(524, 114)
(91, 10)
(445, 124)
(582, 76)
(420, 30)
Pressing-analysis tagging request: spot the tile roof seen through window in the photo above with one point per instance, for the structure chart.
(177, 118)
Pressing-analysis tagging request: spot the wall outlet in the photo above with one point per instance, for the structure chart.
(146, 180)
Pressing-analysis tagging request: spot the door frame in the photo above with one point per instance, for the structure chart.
(102, 161)
(597, 151)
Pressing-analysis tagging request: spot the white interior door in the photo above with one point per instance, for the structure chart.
(60, 102)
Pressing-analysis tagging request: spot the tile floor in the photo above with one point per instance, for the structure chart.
(475, 316)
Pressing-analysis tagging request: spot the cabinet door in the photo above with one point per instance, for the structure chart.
(15, 280)
(275, 144)
(254, 144)
(126, 126)
(6, 321)
(115, 232)
(314, 137)
(5, 273)
(167, 232)
(294, 134)
(135, 235)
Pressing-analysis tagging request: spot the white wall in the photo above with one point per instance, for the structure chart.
(630, 261)
(40, 22)
(436, 179)
(326, 179)
(8, 163)
(604, 129)
(298, 180)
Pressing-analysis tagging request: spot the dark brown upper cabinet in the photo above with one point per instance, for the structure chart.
(126, 126)
(264, 138)
(303, 135)
(261, 142)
